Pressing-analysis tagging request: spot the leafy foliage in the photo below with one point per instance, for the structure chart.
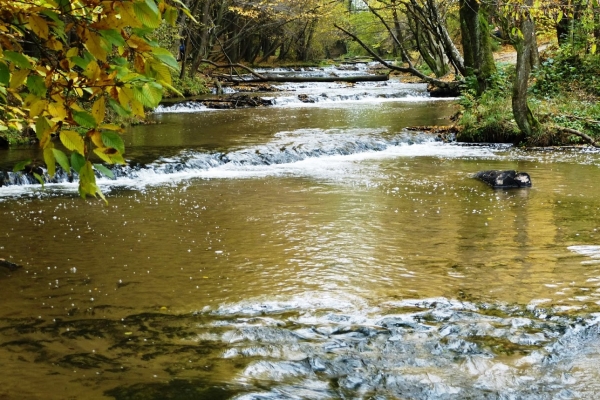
(63, 63)
(566, 71)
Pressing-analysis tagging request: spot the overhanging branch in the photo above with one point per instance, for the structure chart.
(408, 70)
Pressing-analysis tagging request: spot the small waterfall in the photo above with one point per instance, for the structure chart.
(286, 148)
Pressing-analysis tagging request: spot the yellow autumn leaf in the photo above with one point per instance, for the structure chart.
(92, 71)
(30, 99)
(39, 26)
(57, 110)
(98, 110)
(111, 127)
(72, 52)
(139, 44)
(72, 141)
(109, 155)
(125, 96)
(137, 108)
(18, 78)
(53, 44)
(94, 44)
(128, 16)
(37, 107)
(97, 139)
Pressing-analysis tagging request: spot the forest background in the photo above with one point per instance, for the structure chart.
(73, 73)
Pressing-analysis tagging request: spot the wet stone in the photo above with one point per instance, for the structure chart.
(86, 361)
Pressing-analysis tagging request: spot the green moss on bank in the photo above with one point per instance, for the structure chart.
(564, 93)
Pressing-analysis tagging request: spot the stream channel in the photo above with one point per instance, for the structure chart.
(305, 251)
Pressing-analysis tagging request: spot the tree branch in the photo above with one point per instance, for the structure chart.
(250, 70)
(582, 135)
(409, 70)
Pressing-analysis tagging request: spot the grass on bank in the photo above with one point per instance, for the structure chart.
(563, 93)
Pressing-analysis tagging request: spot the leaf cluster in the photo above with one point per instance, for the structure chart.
(63, 63)
(568, 71)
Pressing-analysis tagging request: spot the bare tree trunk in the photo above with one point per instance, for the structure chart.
(476, 42)
(188, 40)
(397, 29)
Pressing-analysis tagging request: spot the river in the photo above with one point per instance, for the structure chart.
(305, 251)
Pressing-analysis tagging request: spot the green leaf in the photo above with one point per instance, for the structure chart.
(104, 171)
(152, 6)
(20, 166)
(59, 26)
(77, 161)
(165, 56)
(113, 37)
(4, 74)
(119, 61)
(36, 85)
(17, 58)
(39, 178)
(122, 112)
(170, 15)
(80, 62)
(64, 5)
(172, 89)
(158, 71)
(50, 161)
(133, 76)
(149, 94)
(84, 119)
(146, 15)
(87, 182)
(114, 140)
(41, 127)
(62, 160)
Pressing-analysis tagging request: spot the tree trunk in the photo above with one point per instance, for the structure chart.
(527, 123)
(188, 40)
(476, 41)
(397, 30)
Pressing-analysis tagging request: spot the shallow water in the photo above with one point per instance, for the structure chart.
(306, 251)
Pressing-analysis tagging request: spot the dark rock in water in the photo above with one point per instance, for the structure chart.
(441, 92)
(7, 264)
(305, 98)
(504, 179)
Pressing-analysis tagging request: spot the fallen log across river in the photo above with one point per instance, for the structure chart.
(256, 77)
(301, 79)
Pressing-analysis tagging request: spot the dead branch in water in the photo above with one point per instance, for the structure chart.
(582, 135)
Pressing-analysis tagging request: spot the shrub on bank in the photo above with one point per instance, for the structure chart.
(564, 93)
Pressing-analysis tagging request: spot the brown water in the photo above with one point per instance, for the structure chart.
(350, 274)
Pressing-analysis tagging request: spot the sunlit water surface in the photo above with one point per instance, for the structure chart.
(304, 252)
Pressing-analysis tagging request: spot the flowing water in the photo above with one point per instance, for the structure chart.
(305, 251)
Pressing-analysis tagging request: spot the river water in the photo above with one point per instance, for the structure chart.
(305, 251)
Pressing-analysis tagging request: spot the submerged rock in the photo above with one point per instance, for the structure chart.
(7, 264)
(504, 179)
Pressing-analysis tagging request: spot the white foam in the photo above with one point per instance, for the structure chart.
(591, 251)
(336, 168)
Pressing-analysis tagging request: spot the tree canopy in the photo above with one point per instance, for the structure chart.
(63, 63)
